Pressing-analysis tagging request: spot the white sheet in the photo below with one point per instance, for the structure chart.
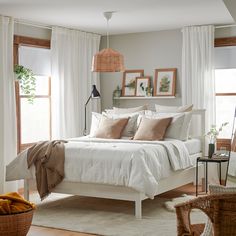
(193, 146)
(136, 164)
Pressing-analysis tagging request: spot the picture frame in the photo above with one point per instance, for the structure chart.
(142, 84)
(165, 81)
(129, 82)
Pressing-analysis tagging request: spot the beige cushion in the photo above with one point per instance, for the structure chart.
(152, 129)
(131, 126)
(129, 129)
(185, 108)
(111, 128)
(117, 110)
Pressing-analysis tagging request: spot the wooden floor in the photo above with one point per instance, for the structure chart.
(43, 231)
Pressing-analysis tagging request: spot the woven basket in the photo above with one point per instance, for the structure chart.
(16, 225)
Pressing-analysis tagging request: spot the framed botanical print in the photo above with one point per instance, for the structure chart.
(129, 81)
(165, 80)
(142, 86)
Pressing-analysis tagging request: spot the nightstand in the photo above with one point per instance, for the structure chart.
(215, 159)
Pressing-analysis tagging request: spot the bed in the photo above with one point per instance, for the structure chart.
(121, 169)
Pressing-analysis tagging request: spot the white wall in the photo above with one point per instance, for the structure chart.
(31, 31)
(225, 32)
(147, 51)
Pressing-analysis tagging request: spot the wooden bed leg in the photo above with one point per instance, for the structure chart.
(26, 189)
(138, 208)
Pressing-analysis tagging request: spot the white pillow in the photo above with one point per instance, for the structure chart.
(179, 127)
(129, 129)
(118, 110)
(186, 108)
(96, 118)
(131, 126)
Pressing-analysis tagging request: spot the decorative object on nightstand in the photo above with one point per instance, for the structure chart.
(212, 135)
(94, 94)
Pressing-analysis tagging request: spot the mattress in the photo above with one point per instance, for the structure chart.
(193, 146)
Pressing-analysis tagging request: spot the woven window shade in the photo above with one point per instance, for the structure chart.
(108, 60)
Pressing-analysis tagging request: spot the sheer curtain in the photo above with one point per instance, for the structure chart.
(198, 85)
(72, 79)
(7, 103)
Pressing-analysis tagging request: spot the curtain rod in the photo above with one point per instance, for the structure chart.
(224, 26)
(43, 26)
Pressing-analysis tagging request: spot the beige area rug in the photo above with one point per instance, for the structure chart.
(170, 205)
(106, 217)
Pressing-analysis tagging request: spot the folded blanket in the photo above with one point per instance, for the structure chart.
(48, 158)
(12, 203)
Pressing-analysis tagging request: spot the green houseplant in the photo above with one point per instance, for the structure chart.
(27, 81)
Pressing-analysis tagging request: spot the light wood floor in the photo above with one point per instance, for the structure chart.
(43, 231)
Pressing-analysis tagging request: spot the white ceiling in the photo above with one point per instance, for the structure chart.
(132, 15)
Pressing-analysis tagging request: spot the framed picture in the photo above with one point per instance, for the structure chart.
(129, 81)
(164, 84)
(142, 85)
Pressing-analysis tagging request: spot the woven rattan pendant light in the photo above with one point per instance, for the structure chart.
(108, 60)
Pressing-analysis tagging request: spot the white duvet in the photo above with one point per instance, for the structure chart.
(136, 164)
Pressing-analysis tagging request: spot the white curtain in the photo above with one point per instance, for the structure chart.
(198, 86)
(72, 80)
(7, 103)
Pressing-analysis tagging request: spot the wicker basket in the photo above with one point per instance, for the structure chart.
(16, 225)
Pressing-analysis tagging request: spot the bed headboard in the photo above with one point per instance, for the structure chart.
(197, 126)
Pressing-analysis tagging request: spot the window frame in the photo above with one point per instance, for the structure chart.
(30, 42)
(224, 42)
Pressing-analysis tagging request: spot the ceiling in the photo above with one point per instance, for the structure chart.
(131, 15)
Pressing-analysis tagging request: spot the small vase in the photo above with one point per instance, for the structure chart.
(211, 149)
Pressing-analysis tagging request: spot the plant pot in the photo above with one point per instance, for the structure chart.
(211, 149)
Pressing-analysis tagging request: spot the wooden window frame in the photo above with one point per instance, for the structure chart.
(225, 42)
(30, 42)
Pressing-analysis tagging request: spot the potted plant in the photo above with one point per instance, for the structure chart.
(149, 91)
(212, 135)
(117, 92)
(27, 81)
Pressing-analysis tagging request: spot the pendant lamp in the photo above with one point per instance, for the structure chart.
(108, 60)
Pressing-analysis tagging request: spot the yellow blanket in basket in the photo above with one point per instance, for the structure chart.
(12, 203)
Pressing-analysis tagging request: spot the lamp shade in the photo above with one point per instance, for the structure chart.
(95, 93)
(108, 60)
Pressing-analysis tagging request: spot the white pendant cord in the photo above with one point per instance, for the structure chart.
(107, 33)
(108, 16)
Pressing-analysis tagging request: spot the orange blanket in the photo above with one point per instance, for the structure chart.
(12, 203)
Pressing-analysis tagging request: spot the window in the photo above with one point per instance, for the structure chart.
(33, 120)
(225, 82)
(225, 85)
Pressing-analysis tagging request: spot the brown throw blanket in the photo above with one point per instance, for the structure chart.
(48, 158)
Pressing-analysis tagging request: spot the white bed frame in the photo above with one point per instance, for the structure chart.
(177, 179)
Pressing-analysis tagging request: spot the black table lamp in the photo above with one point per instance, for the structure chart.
(94, 94)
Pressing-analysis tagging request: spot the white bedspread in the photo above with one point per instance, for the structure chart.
(136, 164)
